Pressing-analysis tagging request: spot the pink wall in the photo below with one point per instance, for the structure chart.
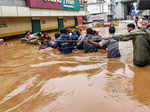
(43, 5)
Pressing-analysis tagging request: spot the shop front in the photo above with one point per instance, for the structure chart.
(40, 15)
(58, 22)
(14, 26)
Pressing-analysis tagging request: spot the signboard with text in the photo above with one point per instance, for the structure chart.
(71, 5)
(54, 4)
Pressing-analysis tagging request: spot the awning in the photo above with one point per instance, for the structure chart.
(143, 4)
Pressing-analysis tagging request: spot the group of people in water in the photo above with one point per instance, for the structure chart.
(67, 40)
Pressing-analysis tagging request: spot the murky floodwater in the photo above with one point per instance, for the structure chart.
(47, 81)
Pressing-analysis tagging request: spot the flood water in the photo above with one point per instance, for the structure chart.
(47, 81)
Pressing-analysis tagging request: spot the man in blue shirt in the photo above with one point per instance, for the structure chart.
(62, 42)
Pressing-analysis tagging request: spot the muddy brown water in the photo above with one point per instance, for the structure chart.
(47, 81)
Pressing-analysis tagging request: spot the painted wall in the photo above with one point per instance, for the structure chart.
(73, 5)
(69, 21)
(45, 4)
(15, 11)
(119, 11)
(14, 26)
(49, 23)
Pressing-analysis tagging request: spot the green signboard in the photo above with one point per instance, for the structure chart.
(71, 5)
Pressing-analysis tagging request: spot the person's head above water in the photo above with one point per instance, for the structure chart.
(137, 18)
(89, 31)
(145, 18)
(57, 35)
(63, 31)
(130, 27)
(39, 34)
(95, 32)
(28, 33)
(45, 35)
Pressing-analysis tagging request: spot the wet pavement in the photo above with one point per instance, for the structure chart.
(47, 81)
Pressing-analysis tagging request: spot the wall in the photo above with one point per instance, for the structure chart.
(94, 8)
(69, 21)
(43, 4)
(146, 12)
(14, 11)
(119, 11)
(12, 2)
(14, 26)
(73, 5)
(49, 23)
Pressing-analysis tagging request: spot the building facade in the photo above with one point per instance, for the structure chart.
(95, 6)
(143, 4)
(96, 10)
(144, 7)
(19, 16)
(120, 9)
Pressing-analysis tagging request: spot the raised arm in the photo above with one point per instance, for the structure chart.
(98, 45)
(127, 36)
